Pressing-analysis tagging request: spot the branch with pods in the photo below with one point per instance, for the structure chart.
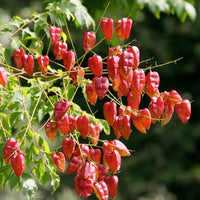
(95, 163)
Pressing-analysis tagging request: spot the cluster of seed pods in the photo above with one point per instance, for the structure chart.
(95, 168)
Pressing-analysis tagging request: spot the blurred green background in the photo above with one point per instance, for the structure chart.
(166, 162)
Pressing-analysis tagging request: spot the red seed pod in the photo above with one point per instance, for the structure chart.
(174, 97)
(124, 126)
(153, 81)
(102, 172)
(127, 81)
(120, 147)
(101, 190)
(17, 55)
(113, 67)
(68, 146)
(156, 108)
(3, 77)
(59, 49)
(28, 64)
(95, 156)
(107, 28)
(91, 93)
(116, 83)
(60, 109)
(51, 130)
(69, 60)
(83, 125)
(113, 160)
(115, 51)
(116, 129)
(58, 160)
(89, 41)
(112, 183)
(126, 64)
(167, 113)
(94, 133)
(110, 112)
(125, 84)
(101, 86)
(77, 181)
(142, 120)
(183, 110)
(138, 81)
(77, 74)
(123, 28)
(133, 100)
(136, 53)
(95, 65)
(55, 32)
(18, 162)
(63, 125)
(108, 147)
(43, 62)
(89, 171)
(75, 165)
(10, 147)
(84, 187)
(72, 123)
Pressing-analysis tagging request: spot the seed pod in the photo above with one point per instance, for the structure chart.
(69, 60)
(89, 41)
(95, 65)
(55, 32)
(18, 162)
(43, 62)
(110, 112)
(123, 28)
(101, 86)
(107, 28)
(17, 55)
(28, 64)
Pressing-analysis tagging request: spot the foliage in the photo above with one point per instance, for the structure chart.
(181, 8)
(26, 101)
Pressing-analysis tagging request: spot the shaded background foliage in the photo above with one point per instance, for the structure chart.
(165, 162)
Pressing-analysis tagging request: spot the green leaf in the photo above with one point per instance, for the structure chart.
(5, 172)
(29, 135)
(190, 11)
(29, 32)
(39, 169)
(29, 155)
(42, 143)
(14, 44)
(41, 23)
(14, 105)
(6, 125)
(70, 91)
(41, 114)
(81, 14)
(180, 10)
(1, 155)
(105, 126)
(46, 177)
(5, 30)
(55, 182)
(13, 181)
(64, 36)
(28, 102)
(16, 117)
(16, 21)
